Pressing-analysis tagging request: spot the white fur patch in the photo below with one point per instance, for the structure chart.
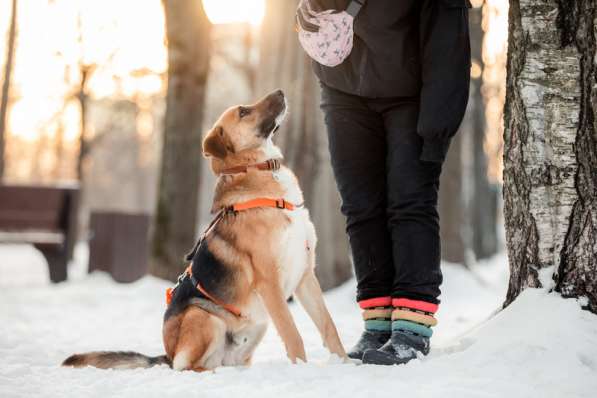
(133, 364)
(280, 118)
(270, 150)
(181, 361)
(214, 355)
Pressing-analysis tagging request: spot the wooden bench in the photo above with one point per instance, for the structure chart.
(44, 216)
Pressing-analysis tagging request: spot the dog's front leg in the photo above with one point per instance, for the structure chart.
(275, 303)
(310, 296)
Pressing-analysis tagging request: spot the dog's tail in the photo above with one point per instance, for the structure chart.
(115, 360)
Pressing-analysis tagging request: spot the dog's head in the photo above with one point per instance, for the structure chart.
(245, 128)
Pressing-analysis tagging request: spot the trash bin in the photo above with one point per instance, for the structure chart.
(119, 244)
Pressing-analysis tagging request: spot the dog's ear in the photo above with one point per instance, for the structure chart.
(213, 144)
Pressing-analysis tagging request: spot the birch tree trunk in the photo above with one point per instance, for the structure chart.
(303, 138)
(4, 98)
(187, 32)
(550, 154)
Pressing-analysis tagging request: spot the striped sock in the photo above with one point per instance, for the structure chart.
(413, 316)
(377, 313)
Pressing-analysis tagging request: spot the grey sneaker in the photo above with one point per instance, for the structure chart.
(401, 348)
(369, 340)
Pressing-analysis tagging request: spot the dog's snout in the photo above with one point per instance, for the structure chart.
(274, 97)
(277, 101)
(272, 109)
(277, 96)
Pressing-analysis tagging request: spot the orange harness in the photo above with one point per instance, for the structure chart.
(232, 209)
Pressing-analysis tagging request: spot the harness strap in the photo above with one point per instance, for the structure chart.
(355, 7)
(264, 202)
(219, 216)
(270, 164)
(230, 308)
(242, 206)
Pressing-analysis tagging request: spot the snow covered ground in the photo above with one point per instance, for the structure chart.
(541, 346)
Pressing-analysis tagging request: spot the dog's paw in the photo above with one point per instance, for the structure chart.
(336, 359)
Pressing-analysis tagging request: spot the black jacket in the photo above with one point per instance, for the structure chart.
(410, 48)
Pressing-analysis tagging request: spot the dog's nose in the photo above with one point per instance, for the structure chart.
(279, 93)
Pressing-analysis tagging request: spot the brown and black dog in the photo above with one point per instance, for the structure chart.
(248, 264)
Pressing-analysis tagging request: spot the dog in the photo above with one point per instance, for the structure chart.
(258, 252)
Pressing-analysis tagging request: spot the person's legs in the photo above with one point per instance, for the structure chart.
(413, 223)
(357, 143)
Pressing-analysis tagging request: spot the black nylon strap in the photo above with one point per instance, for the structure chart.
(214, 222)
(355, 7)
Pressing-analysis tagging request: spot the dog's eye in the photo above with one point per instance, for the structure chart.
(242, 111)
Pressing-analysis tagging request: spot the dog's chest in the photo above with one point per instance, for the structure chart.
(293, 252)
(292, 260)
(295, 241)
(292, 248)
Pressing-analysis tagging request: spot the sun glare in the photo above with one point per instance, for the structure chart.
(231, 11)
(110, 42)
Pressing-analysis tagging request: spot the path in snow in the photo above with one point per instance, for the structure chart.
(541, 346)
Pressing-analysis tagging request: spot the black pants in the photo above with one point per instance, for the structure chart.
(389, 196)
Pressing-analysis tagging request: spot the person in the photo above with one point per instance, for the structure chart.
(391, 108)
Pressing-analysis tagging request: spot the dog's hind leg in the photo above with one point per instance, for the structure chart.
(310, 296)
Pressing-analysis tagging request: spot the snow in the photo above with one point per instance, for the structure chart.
(541, 345)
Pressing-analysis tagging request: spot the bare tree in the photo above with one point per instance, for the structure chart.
(550, 154)
(82, 97)
(283, 64)
(175, 223)
(80, 94)
(10, 49)
(239, 60)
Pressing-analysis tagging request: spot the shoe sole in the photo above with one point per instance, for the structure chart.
(375, 357)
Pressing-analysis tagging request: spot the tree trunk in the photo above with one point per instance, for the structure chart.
(550, 154)
(468, 201)
(303, 138)
(451, 203)
(175, 223)
(82, 98)
(58, 151)
(4, 99)
(483, 196)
